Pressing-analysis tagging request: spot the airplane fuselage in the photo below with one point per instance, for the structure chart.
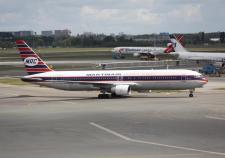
(201, 56)
(137, 80)
(139, 50)
(185, 54)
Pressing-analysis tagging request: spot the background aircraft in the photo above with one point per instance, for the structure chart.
(143, 52)
(114, 82)
(149, 52)
(184, 54)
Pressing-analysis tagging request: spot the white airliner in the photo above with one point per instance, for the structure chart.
(114, 82)
(150, 52)
(184, 54)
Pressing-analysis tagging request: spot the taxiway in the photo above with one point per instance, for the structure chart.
(41, 122)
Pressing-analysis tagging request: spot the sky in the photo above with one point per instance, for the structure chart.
(113, 16)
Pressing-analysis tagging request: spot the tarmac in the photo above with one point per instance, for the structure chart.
(41, 122)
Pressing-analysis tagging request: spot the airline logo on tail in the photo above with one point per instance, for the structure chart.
(33, 63)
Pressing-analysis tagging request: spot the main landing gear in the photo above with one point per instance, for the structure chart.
(191, 93)
(105, 95)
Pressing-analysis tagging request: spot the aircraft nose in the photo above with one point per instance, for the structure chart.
(115, 50)
(205, 80)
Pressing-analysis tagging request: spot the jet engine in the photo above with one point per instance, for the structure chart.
(121, 90)
(136, 54)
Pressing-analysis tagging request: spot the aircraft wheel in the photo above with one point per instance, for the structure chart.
(191, 95)
(100, 96)
(113, 95)
(103, 96)
(107, 96)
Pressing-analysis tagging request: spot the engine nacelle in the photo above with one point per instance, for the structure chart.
(122, 90)
(136, 54)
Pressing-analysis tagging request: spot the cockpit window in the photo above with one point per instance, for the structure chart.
(198, 76)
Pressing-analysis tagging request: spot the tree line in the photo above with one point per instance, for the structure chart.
(102, 40)
(78, 41)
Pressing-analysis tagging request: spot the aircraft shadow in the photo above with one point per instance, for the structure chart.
(73, 98)
(50, 97)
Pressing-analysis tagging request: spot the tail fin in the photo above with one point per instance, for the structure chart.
(180, 38)
(169, 48)
(33, 63)
(176, 41)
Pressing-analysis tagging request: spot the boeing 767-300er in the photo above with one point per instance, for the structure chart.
(109, 82)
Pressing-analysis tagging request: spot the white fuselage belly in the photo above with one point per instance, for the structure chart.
(137, 79)
(174, 85)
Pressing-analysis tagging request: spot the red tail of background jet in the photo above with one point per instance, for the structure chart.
(169, 48)
(180, 38)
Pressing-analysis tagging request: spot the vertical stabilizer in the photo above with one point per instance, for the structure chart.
(32, 62)
(178, 47)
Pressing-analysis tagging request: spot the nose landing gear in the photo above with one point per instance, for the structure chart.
(191, 93)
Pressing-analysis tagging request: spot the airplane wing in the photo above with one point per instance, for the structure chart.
(98, 84)
(101, 85)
